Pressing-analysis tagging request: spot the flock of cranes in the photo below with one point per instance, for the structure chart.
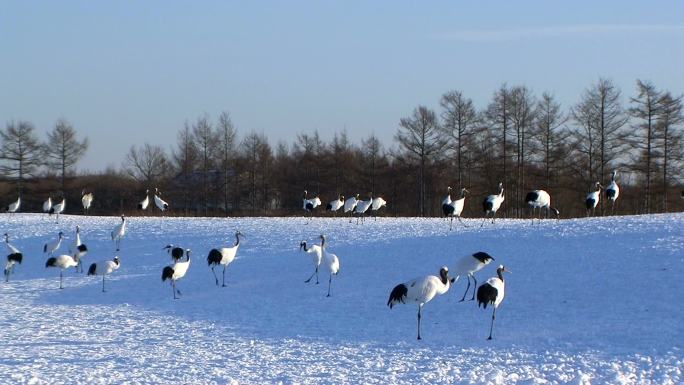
(419, 291)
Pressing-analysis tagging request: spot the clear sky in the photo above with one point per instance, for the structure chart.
(129, 72)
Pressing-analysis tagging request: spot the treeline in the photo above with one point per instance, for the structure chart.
(524, 140)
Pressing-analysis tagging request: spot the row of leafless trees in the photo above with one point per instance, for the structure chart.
(525, 141)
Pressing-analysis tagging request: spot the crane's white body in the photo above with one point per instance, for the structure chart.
(104, 268)
(47, 205)
(223, 256)
(454, 208)
(468, 265)
(13, 257)
(87, 201)
(447, 198)
(77, 249)
(420, 291)
(350, 204)
(492, 293)
(62, 262)
(176, 271)
(144, 203)
(58, 208)
(118, 232)
(14, 206)
(593, 197)
(378, 203)
(51, 247)
(543, 200)
(493, 202)
(316, 253)
(160, 203)
(612, 191)
(331, 262)
(362, 207)
(336, 204)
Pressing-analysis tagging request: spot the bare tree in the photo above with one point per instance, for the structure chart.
(419, 136)
(645, 109)
(551, 134)
(205, 141)
(185, 162)
(371, 150)
(669, 126)
(226, 133)
(600, 135)
(20, 152)
(499, 119)
(458, 120)
(259, 161)
(147, 164)
(63, 149)
(522, 107)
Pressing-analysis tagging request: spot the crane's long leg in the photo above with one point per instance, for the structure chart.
(451, 223)
(461, 220)
(312, 275)
(474, 288)
(60, 279)
(103, 279)
(215, 277)
(329, 283)
(467, 287)
(224, 276)
(173, 288)
(420, 307)
(491, 327)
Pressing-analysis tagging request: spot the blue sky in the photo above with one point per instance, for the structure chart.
(129, 72)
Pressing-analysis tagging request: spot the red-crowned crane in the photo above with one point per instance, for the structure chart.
(492, 203)
(86, 201)
(350, 205)
(14, 206)
(335, 205)
(492, 293)
(309, 205)
(62, 262)
(47, 205)
(362, 207)
(612, 192)
(78, 249)
(540, 199)
(51, 247)
(103, 268)
(330, 260)
(454, 208)
(223, 256)
(376, 205)
(420, 291)
(317, 256)
(118, 232)
(447, 198)
(15, 256)
(469, 265)
(160, 203)
(176, 271)
(593, 198)
(145, 202)
(58, 208)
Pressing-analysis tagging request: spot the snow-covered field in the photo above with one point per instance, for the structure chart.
(590, 301)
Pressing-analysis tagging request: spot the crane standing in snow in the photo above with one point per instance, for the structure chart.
(87, 201)
(309, 205)
(612, 192)
(468, 266)
(331, 261)
(317, 255)
(160, 203)
(15, 256)
(62, 262)
(51, 247)
(420, 291)
(492, 203)
(176, 271)
(103, 268)
(14, 206)
(223, 256)
(454, 208)
(118, 232)
(335, 205)
(58, 208)
(376, 205)
(492, 293)
(593, 198)
(78, 249)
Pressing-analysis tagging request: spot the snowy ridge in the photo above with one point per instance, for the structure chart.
(608, 317)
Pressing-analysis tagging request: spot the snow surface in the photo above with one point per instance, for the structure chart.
(590, 301)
